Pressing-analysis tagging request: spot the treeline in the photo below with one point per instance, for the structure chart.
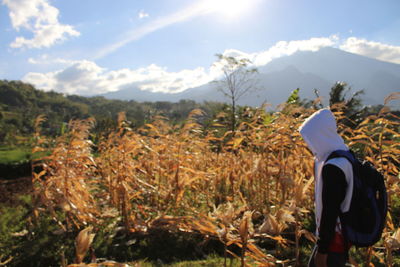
(21, 104)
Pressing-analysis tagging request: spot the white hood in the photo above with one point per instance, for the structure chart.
(320, 133)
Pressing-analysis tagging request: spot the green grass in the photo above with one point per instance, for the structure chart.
(211, 261)
(14, 155)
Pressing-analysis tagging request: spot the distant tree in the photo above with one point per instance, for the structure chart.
(338, 94)
(238, 80)
(294, 97)
(352, 105)
(292, 102)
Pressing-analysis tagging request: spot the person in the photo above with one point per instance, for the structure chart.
(333, 188)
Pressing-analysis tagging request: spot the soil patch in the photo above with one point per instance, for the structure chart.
(10, 189)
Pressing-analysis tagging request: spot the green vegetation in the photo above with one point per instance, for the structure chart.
(21, 104)
(13, 155)
(27, 240)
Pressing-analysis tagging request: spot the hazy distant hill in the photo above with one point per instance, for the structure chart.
(134, 93)
(376, 77)
(306, 70)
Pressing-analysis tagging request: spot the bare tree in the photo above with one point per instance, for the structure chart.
(238, 80)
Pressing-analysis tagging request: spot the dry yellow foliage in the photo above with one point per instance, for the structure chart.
(183, 178)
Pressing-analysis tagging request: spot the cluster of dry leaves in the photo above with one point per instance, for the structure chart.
(251, 185)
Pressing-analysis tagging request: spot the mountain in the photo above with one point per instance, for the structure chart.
(273, 87)
(134, 93)
(306, 70)
(377, 78)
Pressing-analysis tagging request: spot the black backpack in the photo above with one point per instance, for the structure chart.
(363, 223)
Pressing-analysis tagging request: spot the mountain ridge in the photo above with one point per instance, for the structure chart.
(307, 70)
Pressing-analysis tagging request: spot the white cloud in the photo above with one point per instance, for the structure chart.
(372, 49)
(86, 77)
(285, 48)
(45, 59)
(143, 14)
(282, 48)
(39, 17)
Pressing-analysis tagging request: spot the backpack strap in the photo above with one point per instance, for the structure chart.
(348, 154)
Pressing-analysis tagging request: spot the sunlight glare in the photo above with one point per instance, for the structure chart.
(228, 8)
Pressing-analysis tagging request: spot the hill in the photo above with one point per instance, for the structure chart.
(21, 103)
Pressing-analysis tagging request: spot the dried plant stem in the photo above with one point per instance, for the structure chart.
(244, 247)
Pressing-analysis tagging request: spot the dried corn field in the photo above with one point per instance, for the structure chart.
(246, 189)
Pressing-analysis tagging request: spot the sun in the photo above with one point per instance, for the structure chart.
(229, 9)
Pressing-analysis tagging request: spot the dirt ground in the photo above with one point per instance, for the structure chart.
(9, 189)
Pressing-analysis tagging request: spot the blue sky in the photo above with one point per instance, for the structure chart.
(95, 46)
